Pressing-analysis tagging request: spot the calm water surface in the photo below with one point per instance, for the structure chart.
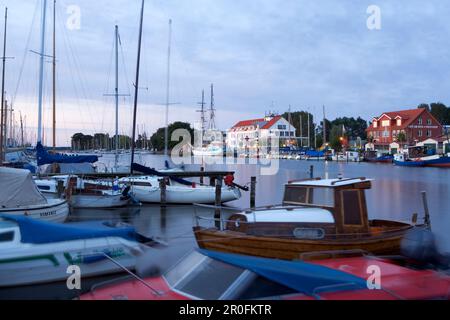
(395, 195)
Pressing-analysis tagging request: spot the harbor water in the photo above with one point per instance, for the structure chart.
(395, 195)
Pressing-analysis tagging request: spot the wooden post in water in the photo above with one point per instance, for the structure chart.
(311, 172)
(202, 169)
(163, 188)
(427, 212)
(60, 188)
(253, 192)
(218, 202)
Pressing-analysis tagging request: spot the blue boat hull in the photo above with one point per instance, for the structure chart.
(409, 163)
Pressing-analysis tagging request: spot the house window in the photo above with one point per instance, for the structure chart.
(420, 133)
(281, 127)
(429, 122)
(386, 134)
(375, 124)
(428, 133)
(420, 121)
(399, 122)
(386, 123)
(281, 133)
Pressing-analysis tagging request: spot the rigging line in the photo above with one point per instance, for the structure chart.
(106, 99)
(79, 72)
(124, 65)
(25, 54)
(74, 86)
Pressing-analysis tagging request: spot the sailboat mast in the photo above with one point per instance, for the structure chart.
(309, 131)
(54, 75)
(324, 127)
(116, 95)
(138, 65)
(212, 121)
(41, 70)
(166, 130)
(2, 124)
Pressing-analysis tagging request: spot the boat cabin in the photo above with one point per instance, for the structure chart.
(343, 198)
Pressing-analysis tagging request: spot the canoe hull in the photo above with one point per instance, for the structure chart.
(290, 249)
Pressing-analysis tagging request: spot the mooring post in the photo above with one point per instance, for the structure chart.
(427, 212)
(60, 188)
(202, 169)
(311, 172)
(218, 202)
(163, 187)
(253, 192)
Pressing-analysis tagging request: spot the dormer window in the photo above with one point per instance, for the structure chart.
(399, 122)
(386, 123)
(375, 124)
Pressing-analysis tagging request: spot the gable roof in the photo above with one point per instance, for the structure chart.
(262, 123)
(407, 116)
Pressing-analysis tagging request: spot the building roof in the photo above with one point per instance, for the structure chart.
(262, 123)
(407, 116)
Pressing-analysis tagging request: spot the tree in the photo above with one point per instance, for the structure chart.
(354, 127)
(424, 106)
(441, 112)
(295, 122)
(335, 137)
(401, 137)
(157, 139)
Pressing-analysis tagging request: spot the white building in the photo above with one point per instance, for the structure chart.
(250, 136)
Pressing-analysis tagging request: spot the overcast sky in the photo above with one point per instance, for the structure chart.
(260, 54)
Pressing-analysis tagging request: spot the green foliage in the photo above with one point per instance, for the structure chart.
(401, 137)
(335, 137)
(302, 116)
(157, 140)
(439, 110)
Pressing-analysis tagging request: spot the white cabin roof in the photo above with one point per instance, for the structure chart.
(306, 215)
(329, 182)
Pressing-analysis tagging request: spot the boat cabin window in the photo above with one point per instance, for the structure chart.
(351, 206)
(45, 188)
(193, 276)
(7, 236)
(309, 196)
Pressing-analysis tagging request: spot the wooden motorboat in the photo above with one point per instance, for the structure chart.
(316, 216)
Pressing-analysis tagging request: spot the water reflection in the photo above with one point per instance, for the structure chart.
(395, 195)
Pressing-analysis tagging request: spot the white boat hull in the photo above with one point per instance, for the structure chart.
(99, 202)
(35, 264)
(184, 195)
(55, 210)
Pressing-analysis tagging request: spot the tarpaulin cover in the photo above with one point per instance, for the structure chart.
(17, 189)
(306, 278)
(43, 157)
(39, 232)
(153, 172)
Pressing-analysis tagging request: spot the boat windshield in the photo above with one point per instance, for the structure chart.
(205, 278)
(202, 277)
(304, 195)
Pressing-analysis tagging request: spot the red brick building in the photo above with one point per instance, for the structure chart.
(416, 124)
